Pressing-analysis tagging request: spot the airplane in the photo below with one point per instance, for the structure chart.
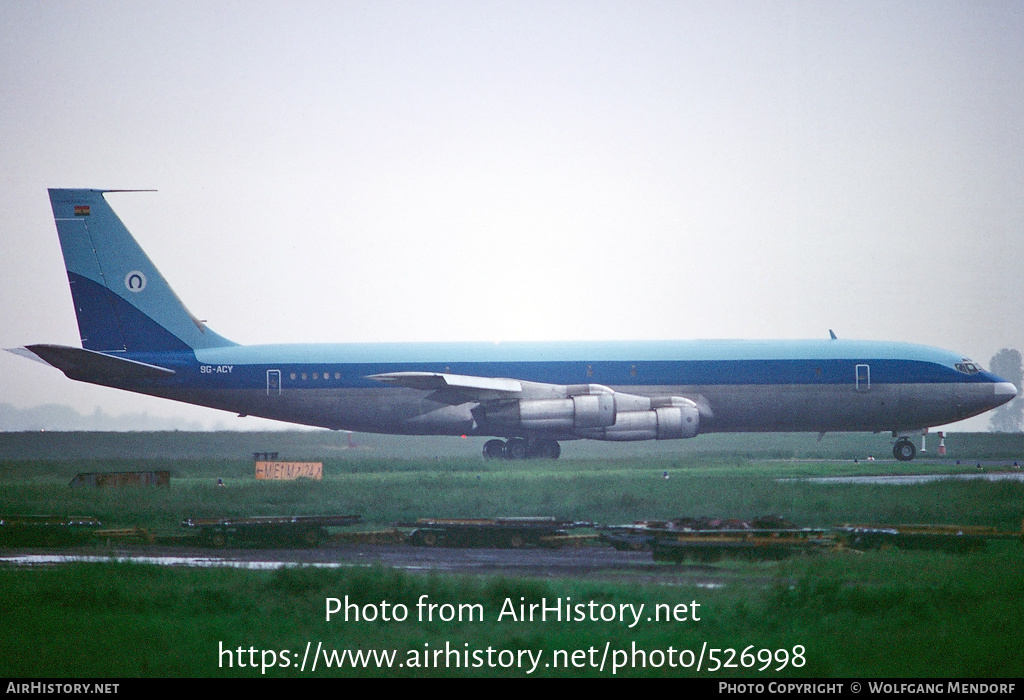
(138, 336)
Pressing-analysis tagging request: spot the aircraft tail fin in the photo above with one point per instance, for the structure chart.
(122, 301)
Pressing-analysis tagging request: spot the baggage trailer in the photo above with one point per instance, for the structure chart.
(514, 533)
(47, 530)
(288, 530)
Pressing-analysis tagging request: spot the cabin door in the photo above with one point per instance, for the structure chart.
(273, 382)
(863, 373)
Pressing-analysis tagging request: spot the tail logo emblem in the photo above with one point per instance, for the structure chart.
(135, 281)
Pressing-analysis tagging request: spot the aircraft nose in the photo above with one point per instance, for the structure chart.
(1004, 391)
(975, 398)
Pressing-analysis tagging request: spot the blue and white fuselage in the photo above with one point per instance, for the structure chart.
(137, 336)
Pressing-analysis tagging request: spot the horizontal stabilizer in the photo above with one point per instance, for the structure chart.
(88, 365)
(28, 355)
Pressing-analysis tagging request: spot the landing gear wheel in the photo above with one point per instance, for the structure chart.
(904, 450)
(545, 449)
(494, 449)
(516, 448)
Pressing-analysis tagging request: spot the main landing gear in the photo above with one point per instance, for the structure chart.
(522, 448)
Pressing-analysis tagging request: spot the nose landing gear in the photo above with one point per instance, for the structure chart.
(904, 450)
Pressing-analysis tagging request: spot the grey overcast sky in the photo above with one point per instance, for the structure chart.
(391, 171)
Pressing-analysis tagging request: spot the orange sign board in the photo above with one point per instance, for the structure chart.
(286, 471)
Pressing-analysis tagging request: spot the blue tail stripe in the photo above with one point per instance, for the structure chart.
(113, 324)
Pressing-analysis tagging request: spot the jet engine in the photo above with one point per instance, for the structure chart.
(669, 418)
(563, 416)
(598, 416)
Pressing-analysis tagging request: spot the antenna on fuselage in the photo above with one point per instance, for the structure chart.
(833, 334)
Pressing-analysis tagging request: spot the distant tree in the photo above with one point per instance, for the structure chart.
(1009, 417)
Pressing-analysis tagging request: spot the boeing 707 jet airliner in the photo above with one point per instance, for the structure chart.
(138, 336)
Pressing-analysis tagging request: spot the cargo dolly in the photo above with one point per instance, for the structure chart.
(302, 530)
(753, 544)
(47, 530)
(955, 539)
(707, 539)
(490, 532)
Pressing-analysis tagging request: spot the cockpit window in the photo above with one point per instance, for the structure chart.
(967, 367)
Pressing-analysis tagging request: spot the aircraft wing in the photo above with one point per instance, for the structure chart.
(507, 406)
(454, 388)
(459, 388)
(439, 380)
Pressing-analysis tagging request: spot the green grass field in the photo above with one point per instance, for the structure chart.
(885, 613)
(881, 614)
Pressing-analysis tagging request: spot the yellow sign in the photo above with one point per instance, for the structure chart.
(286, 471)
